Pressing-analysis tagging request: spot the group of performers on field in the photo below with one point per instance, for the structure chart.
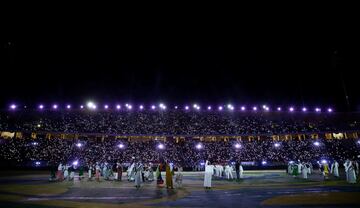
(304, 169)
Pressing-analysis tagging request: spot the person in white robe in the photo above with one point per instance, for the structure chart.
(309, 168)
(241, 171)
(350, 171)
(335, 169)
(209, 169)
(90, 171)
(138, 174)
(131, 172)
(216, 171)
(228, 172)
(66, 172)
(304, 171)
(299, 167)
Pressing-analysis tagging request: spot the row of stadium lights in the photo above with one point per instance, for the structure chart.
(92, 106)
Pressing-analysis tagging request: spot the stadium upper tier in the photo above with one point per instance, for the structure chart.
(177, 122)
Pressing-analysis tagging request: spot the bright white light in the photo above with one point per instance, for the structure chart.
(304, 109)
(129, 106)
(79, 144)
(330, 110)
(267, 109)
(243, 108)
(237, 145)
(81, 106)
(37, 163)
(291, 109)
(153, 107)
(264, 162)
(118, 107)
(38, 125)
(323, 161)
(176, 107)
(13, 106)
(254, 108)
(220, 108)
(277, 144)
(162, 106)
(202, 163)
(317, 143)
(68, 106)
(209, 107)
(279, 109)
(161, 146)
(199, 146)
(291, 162)
(55, 106)
(195, 106)
(34, 143)
(317, 109)
(75, 162)
(90, 104)
(41, 106)
(186, 107)
(230, 107)
(141, 107)
(121, 146)
(106, 106)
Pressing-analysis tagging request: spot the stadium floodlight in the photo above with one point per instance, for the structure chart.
(68, 106)
(254, 108)
(330, 110)
(220, 108)
(37, 163)
(129, 107)
(237, 146)
(278, 108)
(121, 146)
(195, 106)
(318, 110)
(162, 106)
(91, 105)
(199, 146)
(263, 162)
(264, 106)
(13, 106)
(153, 107)
(81, 106)
(75, 162)
(118, 107)
(161, 146)
(291, 109)
(277, 144)
(79, 144)
(55, 106)
(316, 143)
(186, 107)
(304, 109)
(209, 107)
(323, 161)
(141, 107)
(41, 106)
(106, 106)
(243, 108)
(267, 109)
(230, 107)
(176, 107)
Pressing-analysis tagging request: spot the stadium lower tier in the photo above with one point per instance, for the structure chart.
(188, 152)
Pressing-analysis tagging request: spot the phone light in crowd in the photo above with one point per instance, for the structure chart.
(317, 144)
(141, 107)
(291, 109)
(118, 107)
(75, 162)
(209, 107)
(318, 110)
(304, 109)
(277, 144)
(263, 162)
(220, 108)
(121, 146)
(161, 146)
(199, 146)
(254, 108)
(278, 108)
(330, 110)
(79, 144)
(243, 108)
(153, 107)
(12, 106)
(34, 143)
(237, 146)
(55, 106)
(202, 163)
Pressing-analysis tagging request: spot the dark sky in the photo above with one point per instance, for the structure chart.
(296, 63)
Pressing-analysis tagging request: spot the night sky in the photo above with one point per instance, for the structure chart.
(289, 64)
